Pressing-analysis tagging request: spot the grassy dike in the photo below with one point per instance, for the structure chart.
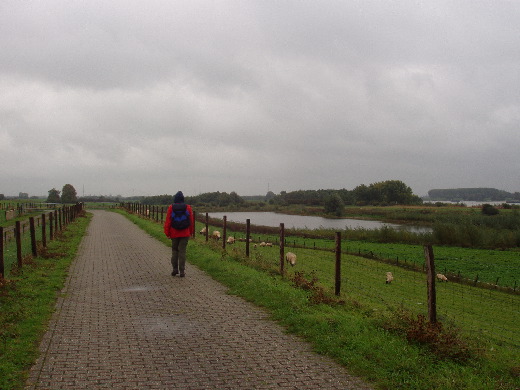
(368, 345)
(27, 301)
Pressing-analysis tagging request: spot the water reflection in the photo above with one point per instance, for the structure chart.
(308, 222)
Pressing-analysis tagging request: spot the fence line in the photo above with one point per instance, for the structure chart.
(456, 303)
(416, 263)
(24, 245)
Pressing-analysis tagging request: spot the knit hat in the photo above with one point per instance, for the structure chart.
(179, 197)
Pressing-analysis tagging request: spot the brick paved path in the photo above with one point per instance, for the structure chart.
(123, 322)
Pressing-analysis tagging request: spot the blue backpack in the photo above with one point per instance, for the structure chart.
(180, 217)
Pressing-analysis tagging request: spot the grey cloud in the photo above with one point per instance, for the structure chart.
(296, 94)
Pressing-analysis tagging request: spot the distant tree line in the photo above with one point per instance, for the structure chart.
(217, 199)
(383, 193)
(220, 199)
(99, 199)
(472, 194)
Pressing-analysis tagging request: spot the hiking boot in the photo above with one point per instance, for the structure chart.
(174, 273)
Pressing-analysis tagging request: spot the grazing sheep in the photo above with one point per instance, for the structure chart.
(216, 235)
(263, 243)
(291, 258)
(231, 240)
(203, 231)
(442, 278)
(268, 244)
(389, 277)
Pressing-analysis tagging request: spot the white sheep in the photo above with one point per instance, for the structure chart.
(389, 277)
(442, 278)
(263, 243)
(268, 244)
(231, 240)
(216, 235)
(291, 258)
(203, 230)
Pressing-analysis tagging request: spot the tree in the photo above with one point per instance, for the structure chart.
(386, 192)
(270, 195)
(224, 199)
(334, 205)
(235, 198)
(54, 196)
(68, 194)
(488, 209)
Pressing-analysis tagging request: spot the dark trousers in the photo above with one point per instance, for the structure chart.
(179, 245)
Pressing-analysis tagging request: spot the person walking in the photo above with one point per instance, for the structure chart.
(179, 225)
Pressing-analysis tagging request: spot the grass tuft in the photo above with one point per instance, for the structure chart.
(318, 294)
(446, 343)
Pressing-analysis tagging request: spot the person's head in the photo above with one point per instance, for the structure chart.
(179, 197)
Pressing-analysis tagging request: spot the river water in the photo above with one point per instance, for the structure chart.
(272, 219)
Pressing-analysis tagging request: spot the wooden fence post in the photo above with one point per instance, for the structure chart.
(18, 233)
(248, 233)
(207, 227)
(2, 266)
(282, 248)
(224, 231)
(430, 281)
(338, 263)
(44, 232)
(51, 226)
(56, 221)
(33, 237)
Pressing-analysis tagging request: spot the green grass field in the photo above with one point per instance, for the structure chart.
(484, 265)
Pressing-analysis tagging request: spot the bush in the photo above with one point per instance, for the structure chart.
(488, 209)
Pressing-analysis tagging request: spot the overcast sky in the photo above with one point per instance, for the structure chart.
(150, 97)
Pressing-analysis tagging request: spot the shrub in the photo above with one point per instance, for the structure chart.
(488, 209)
(444, 342)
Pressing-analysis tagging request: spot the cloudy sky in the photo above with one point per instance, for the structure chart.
(148, 97)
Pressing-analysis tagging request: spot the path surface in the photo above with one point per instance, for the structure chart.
(123, 322)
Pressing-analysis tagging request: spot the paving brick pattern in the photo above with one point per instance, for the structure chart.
(123, 322)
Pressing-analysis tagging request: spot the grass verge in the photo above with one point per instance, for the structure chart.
(27, 301)
(388, 349)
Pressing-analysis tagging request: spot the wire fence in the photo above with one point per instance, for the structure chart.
(488, 312)
(23, 238)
